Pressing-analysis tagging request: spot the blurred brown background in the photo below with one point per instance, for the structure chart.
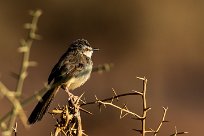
(162, 40)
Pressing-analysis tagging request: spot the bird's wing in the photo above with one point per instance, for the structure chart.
(71, 67)
(56, 69)
(68, 66)
(53, 73)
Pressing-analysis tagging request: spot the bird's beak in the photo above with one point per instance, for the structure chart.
(95, 49)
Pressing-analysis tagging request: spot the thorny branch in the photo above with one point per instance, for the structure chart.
(178, 133)
(25, 49)
(14, 96)
(126, 111)
(122, 109)
(162, 121)
(18, 107)
(69, 122)
(111, 98)
(144, 105)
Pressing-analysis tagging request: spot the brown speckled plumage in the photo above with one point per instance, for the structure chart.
(75, 65)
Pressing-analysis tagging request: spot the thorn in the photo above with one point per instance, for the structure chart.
(79, 98)
(15, 128)
(112, 100)
(35, 13)
(96, 99)
(115, 94)
(38, 97)
(121, 112)
(84, 133)
(86, 111)
(176, 130)
(141, 78)
(38, 12)
(32, 64)
(138, 130)
(37, 37)
(147, 109)
(140, 93)
(99, 106)
(152, 129)
(23, 49)
(84, 101)
(165, 108)
(178, 133)
(183, 132)
(103, 104)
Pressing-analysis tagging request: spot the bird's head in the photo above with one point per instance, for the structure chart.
(83, 46)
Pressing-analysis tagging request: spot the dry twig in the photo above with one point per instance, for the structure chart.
(125, 111)
(162, 121)
(69, 122)
(13, 96)
(178, 133)
(15, 129)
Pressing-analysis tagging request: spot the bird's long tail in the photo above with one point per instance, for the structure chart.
(42, 106)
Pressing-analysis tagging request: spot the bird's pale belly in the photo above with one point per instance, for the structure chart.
(76, 82)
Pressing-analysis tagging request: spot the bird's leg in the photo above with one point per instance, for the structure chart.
(71, 96)
(67, 90)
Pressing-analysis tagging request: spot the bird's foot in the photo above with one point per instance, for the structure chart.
(71, 96)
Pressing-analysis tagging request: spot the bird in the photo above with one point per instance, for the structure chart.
(71, 71)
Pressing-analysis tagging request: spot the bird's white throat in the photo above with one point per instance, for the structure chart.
(88, 53)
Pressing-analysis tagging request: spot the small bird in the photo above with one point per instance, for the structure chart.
(71, 71)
